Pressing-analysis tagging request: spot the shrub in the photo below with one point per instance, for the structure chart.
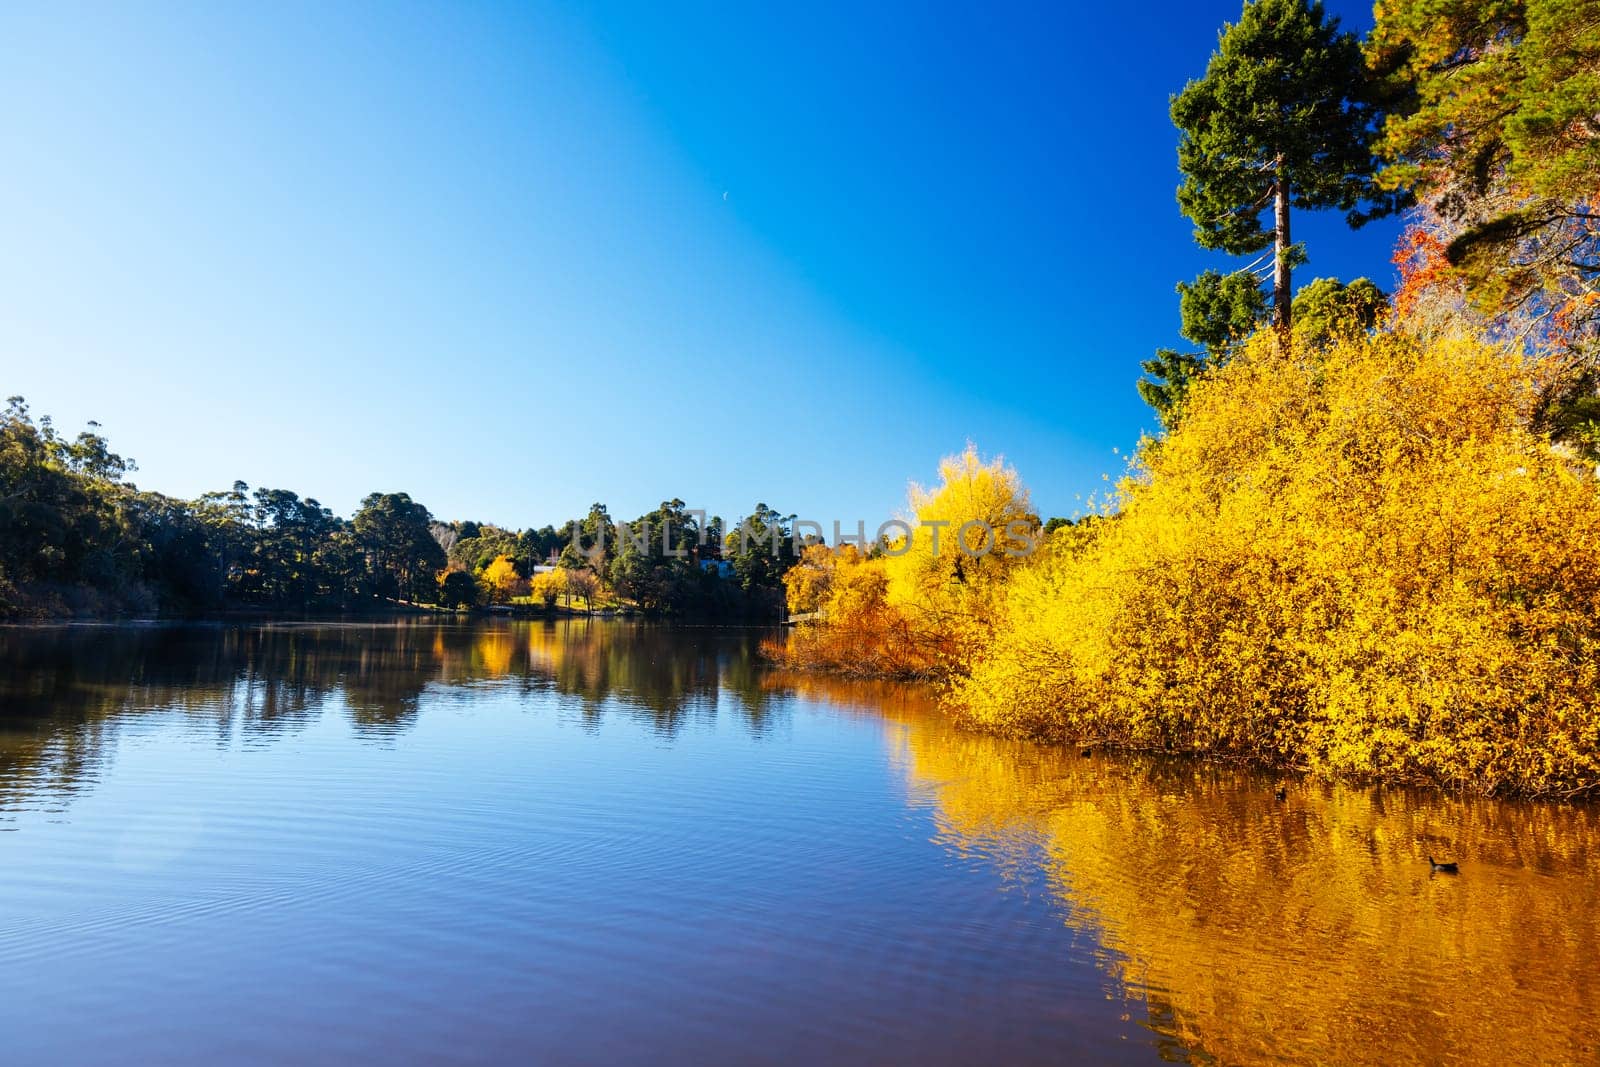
(458, 589)
(858, 631)
(1357, 559)
(920, 605)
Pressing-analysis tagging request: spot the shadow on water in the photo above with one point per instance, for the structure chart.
(1232, 925)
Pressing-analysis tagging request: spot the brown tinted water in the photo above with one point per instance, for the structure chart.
(596, 842)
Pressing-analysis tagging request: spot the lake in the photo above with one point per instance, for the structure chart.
(606, 842)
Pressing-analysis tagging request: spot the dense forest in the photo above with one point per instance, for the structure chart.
(1366, 540)
(78, 538)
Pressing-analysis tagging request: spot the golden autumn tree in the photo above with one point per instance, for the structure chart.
(968, 534)
(917, 604)
(808, 584)
(548, 587)
(855, 629)
(501, 578)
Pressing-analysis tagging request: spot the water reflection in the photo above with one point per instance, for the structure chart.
(64, 690)
(1233, 927)
(1310, 929)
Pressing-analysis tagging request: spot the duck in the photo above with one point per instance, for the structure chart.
(1282, 793)
(1443, 868)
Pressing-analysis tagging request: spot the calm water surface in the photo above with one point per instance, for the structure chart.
(599, 843)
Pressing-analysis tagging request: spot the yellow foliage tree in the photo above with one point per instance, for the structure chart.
(858, 631)
(501, 578)
(548, 586)
(809, 583)
(1357, 560)
(918, 605)
(967, 536)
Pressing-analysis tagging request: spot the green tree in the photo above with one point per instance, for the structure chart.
(534, 546)
(1328, 307)
(290, 533)
(65, 515)
(1284, 116)
(487, 544)
(402, 554)
(458, 589)
(572, 559)
(589, 542)
(1170, 374)
(1497, 128)
(761, 548)
(1216, 310)
(656, 563)
(1219, 311)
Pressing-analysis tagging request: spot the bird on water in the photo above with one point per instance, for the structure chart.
(1443, 868)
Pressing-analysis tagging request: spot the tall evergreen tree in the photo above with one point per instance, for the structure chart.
(1216, 310)
(1282, 118)
(403, 555)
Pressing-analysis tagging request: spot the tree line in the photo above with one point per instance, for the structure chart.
(77, 537)
(671, 560)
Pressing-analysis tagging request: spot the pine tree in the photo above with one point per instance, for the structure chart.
(1283, 117)
(1216, 310)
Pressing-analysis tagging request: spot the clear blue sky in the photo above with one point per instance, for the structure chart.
(514, 258)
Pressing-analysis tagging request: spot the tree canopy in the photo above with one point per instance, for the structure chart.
(1496, 125)
(1282, 117)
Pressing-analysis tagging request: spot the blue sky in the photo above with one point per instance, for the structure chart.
(516, 258)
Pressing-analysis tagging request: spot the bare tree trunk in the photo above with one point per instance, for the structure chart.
(1280, 269)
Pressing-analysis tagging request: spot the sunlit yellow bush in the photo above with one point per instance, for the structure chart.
(1356, 558)
(502, 579)
(920, 604)
(968, 534)
(549, 586)
(855, 629)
